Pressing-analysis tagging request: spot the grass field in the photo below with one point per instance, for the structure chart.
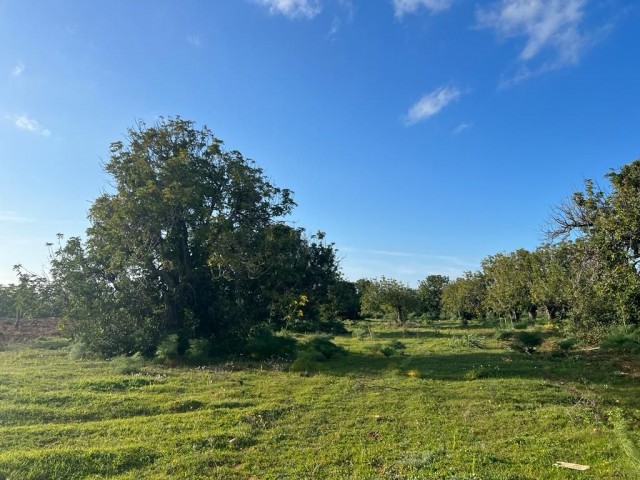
(455, 404)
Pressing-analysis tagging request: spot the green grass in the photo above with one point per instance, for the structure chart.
(454, 404)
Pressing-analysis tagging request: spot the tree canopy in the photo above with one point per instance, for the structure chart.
(192, 239)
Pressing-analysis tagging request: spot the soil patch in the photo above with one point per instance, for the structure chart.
(27, 330)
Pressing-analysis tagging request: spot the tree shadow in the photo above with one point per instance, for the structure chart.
(399, 334)
(573, 375)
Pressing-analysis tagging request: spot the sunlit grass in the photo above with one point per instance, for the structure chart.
(455, 403)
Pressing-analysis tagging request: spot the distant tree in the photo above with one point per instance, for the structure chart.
(464, 297)
(509, 284)
(391, 297)
(551, 287)
(430, 295)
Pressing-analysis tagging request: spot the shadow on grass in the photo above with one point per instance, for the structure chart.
(413, 333)
(573, 374)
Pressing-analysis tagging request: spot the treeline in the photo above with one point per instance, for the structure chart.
(586, 277)
(191, 243)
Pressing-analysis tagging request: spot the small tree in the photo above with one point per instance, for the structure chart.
(391, 297)
(464, 297)
(430, 295)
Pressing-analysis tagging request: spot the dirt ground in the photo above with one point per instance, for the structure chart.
(27, 330)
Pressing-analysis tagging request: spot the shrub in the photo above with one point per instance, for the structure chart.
(504, 335)
(527, 341)
(324, 345)
(623, 340)
(388, 349)
(79, 350)
(467, 341)
(167, 350)
(318, 349)
(199, 350)
(127, 365)
(264, 345)
(567, 344)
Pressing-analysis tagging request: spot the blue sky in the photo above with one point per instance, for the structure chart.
(421, 135)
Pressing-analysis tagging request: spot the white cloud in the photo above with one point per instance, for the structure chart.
(23, 122)
(292, 8)
(13, 217)
(551, 29)
(462, 127)
(431, 103)
(403, 7)
(18, 69)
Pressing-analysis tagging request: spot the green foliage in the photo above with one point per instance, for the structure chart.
(200, 350)
(128, 364)
(318, 348)
(463, 298)
(567, 344)
(323, 345)
(167, 351)
(527, 341)
(469, 340)
(629, 447)
(391, 297)
(191, 240)
(430, 295)
(388, 349)
(264, 345)
(623, 340)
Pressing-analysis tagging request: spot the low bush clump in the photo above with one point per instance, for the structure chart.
(263, 344)
(167, 350)
(527, 341)
(623, 340)
(200, 351)
(127, 365)
(318, 349)
(388, 349)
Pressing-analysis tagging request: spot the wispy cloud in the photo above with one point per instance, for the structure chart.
(431, 103)
(462, 127)
(409, 267)
(13, 217)
(23, 122)
(551, 29)
(194, 41)
(403, 7)
(18, 69)
(292, 8)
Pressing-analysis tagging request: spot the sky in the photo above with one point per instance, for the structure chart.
(420, 135)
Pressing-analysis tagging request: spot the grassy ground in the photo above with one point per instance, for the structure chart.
(444, 408)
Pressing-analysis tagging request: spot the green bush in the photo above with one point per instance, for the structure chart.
(127, 365)
(467, 341)
(623, 340)
(167, 350)
(504, 335)
(388, 349)
(324, 345)
(79, 350)
(264, 345)
(199, 351)
(567, 344)
(527, 341)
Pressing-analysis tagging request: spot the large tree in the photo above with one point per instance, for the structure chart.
(191, 240)
(606, 254)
